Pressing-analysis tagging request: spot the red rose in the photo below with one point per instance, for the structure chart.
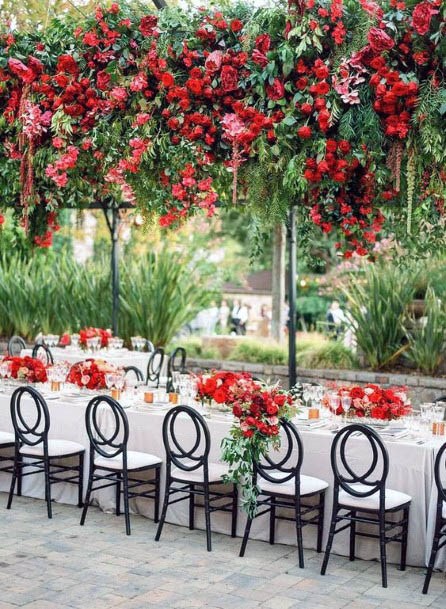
(167, 79)
(357, 392)
(379, 40)
(344, 146)
(220, 396)
(229, 78)
(304, 132)
(280, 399)
(263, 43)
(147, 25)
(67, 64)
(422, 17)
(276, 90)
(236, 25)
(19, 69)
(237, 411)
(103, 80)
(259, 58)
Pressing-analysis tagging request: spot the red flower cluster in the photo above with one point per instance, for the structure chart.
(375, 402)
(90, 373)
(27, 368)
(86, 333)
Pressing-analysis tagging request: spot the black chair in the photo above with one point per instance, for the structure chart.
(177, 363)
(364, 497)
(150, 346)
(281, 485)
(155, 366)
(15, 346)
(46, 357)
(134, 370)
(109, 454)
(32, 443)
(439, 540)
(189, 472)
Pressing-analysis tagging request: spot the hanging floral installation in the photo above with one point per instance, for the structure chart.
(337, 106)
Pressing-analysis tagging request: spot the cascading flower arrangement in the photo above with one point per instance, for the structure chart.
(342, 100)
(258, 411)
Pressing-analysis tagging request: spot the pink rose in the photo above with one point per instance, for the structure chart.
(119, 94)
(213, 61)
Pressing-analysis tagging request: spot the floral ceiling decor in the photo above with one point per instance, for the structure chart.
(337, 106)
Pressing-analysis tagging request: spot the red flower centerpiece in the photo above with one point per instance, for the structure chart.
(374, 402)
(90, 373)
(28, 369)
(87, 333)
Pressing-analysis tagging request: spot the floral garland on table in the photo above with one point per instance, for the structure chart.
(258, 410)
(375, 402)
(87, 333)
(27, 368)
(90, 373)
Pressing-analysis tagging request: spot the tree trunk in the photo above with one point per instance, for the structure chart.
(278, 283)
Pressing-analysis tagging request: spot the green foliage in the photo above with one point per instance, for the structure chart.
(331, 354)
(427, 335)
(259, 352)
(52, 293)
(377, 304)
(197, 350)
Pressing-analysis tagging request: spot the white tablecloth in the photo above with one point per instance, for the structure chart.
(120, 357)
(411, 471)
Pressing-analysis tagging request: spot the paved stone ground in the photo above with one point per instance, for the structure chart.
(56, 564)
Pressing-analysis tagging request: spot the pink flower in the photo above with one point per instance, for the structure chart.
(119, 94)
(422, 17)
(213, 61)
(379, 40)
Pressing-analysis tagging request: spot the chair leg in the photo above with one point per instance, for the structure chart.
(15, 474)
(404, 534)
(330, 539)
(164, 510)
(382, 549)
(320, 522)
(272, 521)
(191, 508)
(300, 543)
(433, 556)
(48, 487)
(156, 515)
(19, 476)
(234, 511)
(80, 488)
(118, 494)
(87, 497)
(352, 536)
(125, 479)
(245, 537)
(207, 516)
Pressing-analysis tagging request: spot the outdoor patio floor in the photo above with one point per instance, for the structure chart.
(56, 564)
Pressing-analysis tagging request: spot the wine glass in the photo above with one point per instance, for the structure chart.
(119, 381)
(346, 403)
(75, 341)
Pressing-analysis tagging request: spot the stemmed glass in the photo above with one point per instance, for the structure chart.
(346, 403)
(110, 380)
(333, 401)
(75, 340)
(119, 381)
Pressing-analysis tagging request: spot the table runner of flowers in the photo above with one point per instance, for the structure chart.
(373, 401)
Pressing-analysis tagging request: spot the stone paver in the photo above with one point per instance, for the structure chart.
(56, 564)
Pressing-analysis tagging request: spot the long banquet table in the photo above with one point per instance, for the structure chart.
(411, 471)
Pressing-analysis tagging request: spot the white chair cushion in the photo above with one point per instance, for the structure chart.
(135, 460)
(6, 437)
(56, 448)
(444, 510)
(392, 499)
(216, 472)
(308, 485)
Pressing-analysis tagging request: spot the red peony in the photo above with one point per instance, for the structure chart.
(422, 17)
(304, 132)
(263, 43)
(67, 64)
(21, 71)
(236, 25)
(379, 40)
(229, 78)
(167, 79)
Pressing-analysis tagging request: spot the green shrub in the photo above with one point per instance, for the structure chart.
(196, 350)
(426, 336)
(258, 352)
(331, 354)
(378, 307)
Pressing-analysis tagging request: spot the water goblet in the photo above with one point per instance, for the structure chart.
(346, 403)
